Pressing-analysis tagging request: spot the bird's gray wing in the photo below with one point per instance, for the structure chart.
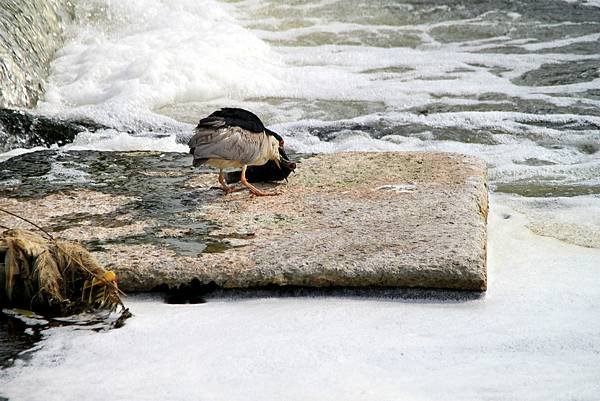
(229, 143)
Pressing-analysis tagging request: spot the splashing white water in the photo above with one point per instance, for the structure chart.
(125, 59)
(112, 140)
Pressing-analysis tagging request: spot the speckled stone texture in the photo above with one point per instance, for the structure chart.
(354, 219)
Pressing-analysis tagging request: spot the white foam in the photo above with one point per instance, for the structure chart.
(19, 151)
(108, 140)
(60, 173)
(591, 3)
(306, 143)
(143, 54)
(522, 340)
(594, 37)
(572, 219)
(125, 60)
(507, 158)
(112, 140)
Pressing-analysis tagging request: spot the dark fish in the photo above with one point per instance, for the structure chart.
(268, 172)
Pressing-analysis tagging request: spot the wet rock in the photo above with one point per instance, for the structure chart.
(566, 73)
(343, 220)
(15, 337)
(19, 128)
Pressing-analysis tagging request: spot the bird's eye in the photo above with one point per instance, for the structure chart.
(281, 143)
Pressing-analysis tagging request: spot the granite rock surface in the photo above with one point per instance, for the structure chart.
(349, 220)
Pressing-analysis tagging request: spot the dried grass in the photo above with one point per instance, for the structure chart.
(53, 276)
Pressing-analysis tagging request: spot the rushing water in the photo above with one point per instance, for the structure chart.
(30, 32)
(516, 83)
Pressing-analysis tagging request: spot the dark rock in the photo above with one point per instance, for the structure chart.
(23, 129)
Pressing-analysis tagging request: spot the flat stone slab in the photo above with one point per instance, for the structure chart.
(356, 219)
(352, 219)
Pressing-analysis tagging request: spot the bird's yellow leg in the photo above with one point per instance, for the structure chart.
(226, 188)
(251, 187)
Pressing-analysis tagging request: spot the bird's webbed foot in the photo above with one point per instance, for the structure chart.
(258, 192)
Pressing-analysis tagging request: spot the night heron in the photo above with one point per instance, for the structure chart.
(235, 138)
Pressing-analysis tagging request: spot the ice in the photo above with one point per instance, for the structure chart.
(533, 336)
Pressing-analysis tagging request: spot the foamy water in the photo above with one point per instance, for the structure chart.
(125, 59)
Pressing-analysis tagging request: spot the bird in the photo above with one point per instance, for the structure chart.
(235, 138)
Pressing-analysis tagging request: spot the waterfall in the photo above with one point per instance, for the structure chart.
(30, 33)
